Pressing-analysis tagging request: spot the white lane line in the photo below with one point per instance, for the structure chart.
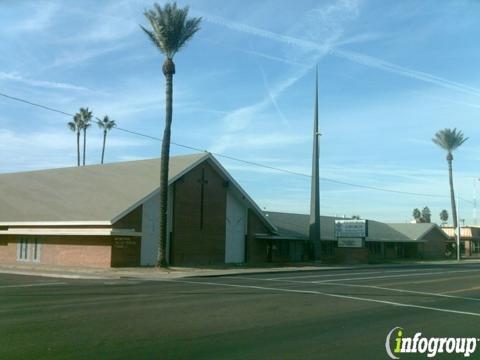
(342, 274)
(396, 276)
(313, 292)
(32, 285)
(404, 291)
(442, 294)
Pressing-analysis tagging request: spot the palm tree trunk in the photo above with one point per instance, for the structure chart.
(452, 193)
(165, 156)
(84, 143)
(78, 148)
(104, 139)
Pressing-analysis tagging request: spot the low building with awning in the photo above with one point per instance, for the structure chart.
(383, 241)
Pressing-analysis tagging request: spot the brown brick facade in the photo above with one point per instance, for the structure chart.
(90, 251)
(434, 247)
(256, 248)
(198, 229)
(132, 220)
(125, 251)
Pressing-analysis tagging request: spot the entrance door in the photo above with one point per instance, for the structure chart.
(235, 234)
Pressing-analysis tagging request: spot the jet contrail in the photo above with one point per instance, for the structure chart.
(353, 56)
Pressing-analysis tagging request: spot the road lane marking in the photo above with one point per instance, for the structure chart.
(357, 273)
(443, 294)
(32, 285)
(462, 290)
(396, 276)
(313, 292)
(430, 281)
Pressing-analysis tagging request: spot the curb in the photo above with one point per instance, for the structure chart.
(56, 275)
(210, 273)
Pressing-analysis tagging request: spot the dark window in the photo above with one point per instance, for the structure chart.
(374, 247)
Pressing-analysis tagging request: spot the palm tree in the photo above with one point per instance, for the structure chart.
(450, 140)
(444, 216)
(76, 126)
(106, 125)
(170, 31)
(417, 215)
(86, 116)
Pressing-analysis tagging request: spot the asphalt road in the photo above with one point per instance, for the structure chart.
(333, 314)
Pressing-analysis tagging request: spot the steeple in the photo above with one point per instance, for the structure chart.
(315, 187)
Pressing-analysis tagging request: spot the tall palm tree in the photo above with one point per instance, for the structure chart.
(106, 125)
(449, 140)
(170, 31)
(76, 126)
(86, 116)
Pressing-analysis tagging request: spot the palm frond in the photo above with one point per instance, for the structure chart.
(449, 139)
(170, 28)
(86, 116)
(106, 124)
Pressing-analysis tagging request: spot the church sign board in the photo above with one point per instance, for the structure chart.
(351, 233)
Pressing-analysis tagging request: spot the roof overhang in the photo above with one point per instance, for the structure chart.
(70, 231)
(279, 237)
(55, 223)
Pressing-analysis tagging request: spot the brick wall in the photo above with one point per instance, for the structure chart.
(351, 255)
(195, 241)
(434, 247)
(132, 220)
(256, 248)
(8, 249)
(91, 251)
(125, 251)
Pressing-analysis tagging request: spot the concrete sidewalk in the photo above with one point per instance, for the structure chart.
(150, 273)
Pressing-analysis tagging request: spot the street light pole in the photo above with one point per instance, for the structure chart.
(475, 200)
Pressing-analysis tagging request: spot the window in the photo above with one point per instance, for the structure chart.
(35, 250)
(28, 249)
(328, 248)
(22, 249)
(374, 247)
(475, 247)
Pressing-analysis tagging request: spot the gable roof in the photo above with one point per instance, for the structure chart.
(378, 231)
(297, 226)
(90, 195)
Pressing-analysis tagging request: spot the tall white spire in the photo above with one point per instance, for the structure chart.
(315, 186)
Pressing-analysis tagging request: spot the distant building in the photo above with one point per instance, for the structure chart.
(469, 240)
(108, 215)
(383, 241)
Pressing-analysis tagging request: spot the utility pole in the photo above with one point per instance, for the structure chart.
(314, 230)
(458, 230)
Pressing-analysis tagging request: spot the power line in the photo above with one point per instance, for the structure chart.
(235, 158)
(35, 104)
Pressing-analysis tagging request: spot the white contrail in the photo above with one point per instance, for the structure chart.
(272, 98)
(353, 56)
(40, 83)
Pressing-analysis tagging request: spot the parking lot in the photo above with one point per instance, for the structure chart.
(325, 314)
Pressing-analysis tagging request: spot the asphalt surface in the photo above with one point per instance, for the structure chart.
(333, 314)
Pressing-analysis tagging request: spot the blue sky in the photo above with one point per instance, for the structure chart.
(391, 74)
